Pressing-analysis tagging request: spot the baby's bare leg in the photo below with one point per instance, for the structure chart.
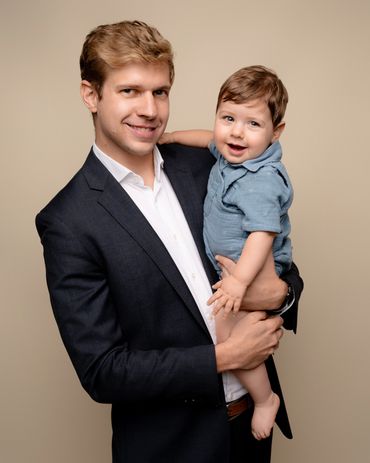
(266, 402)
(256, 381)
(224, 325)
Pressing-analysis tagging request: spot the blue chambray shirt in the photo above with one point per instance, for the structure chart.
(242, 198)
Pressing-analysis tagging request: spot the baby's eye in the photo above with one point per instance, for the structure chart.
(228, 118)
(254, 123)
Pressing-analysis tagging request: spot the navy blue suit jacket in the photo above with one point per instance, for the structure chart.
(128, 320)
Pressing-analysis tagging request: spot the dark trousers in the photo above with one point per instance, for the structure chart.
(244, 447)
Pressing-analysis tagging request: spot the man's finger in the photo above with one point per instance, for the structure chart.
(225, 264)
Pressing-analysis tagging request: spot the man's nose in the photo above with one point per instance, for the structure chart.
(148, 106)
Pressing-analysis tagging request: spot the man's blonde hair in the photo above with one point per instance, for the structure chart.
(112, 46)
(254, 82)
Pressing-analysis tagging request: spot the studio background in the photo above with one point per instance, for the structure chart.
(321, 51)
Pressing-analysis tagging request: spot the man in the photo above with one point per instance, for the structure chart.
(129, 279)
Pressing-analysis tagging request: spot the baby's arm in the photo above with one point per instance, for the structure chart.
(230, 290)
(197, 138)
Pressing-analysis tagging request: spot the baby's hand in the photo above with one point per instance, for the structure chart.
(166, 138)
(228, 296)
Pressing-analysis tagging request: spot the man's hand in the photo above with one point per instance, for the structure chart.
(251, 341)
(263, 293)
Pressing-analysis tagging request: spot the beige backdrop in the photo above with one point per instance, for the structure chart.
(321, 51)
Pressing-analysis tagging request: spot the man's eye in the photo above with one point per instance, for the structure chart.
(127, 91)
(160, 92)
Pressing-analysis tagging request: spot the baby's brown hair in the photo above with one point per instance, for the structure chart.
(254, 82)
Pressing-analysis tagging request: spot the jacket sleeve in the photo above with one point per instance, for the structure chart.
(109, 370)
(293, 278)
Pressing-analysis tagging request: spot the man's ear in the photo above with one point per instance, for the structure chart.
(278, 130)
(89, 96)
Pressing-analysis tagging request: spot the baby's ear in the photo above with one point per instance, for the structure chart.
(278, 130)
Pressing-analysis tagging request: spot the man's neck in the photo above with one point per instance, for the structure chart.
(142, 165)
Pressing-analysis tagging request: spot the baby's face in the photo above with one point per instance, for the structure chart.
(244, 131)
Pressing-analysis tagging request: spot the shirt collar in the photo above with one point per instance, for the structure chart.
(272, 154)
(121, 173)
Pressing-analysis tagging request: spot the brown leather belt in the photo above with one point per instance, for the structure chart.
(238, 406)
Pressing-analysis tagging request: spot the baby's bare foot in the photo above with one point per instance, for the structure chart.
(264, 416)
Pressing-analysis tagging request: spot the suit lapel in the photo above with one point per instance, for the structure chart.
(120, 206)
(186, 190)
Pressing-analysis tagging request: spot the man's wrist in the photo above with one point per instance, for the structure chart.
(221, 357)
(225, 357)
(287, 303)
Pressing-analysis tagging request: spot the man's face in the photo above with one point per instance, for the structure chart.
(132, 112)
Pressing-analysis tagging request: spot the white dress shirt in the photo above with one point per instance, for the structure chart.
(162, 210)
